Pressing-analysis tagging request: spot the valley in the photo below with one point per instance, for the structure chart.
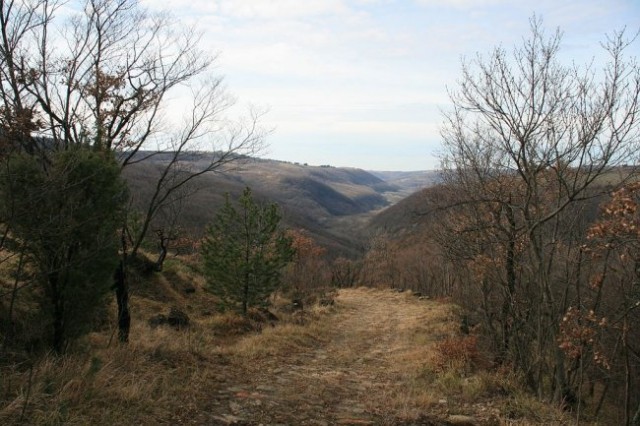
(156, 268)
(333, 204)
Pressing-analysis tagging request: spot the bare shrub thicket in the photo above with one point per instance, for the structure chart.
(407, 262)
(531, 147)
(308, 276)
(515, 233)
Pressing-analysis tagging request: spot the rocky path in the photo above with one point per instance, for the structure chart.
(359, 372)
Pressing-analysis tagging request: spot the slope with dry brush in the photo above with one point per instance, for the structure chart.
(373, 357)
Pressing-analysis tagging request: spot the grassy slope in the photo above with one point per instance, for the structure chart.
(376, 356)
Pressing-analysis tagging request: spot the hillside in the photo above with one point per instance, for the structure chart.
(407, 215)
(331, 203)
(409, 182)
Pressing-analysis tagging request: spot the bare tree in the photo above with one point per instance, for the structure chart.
(528, 142)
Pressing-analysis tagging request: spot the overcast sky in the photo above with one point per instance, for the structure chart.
(361, 83)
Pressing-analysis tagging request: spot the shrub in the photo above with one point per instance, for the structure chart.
(459, 353)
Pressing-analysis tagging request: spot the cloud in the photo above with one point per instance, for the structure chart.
(184, 7)
(353, 72)
(460, 4)
(281, 9)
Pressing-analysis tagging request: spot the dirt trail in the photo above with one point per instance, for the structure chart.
(359, 372)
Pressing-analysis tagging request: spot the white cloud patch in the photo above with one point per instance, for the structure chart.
(460, 4)
(281, 9)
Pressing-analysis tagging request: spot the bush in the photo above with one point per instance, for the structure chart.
(63, 212)
(457, 353)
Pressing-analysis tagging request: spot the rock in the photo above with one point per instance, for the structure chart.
(270, 316)
(266, 388)
(353, 421)
(235, 407)
(228, 419)
(460, 420)
(177, 318)
(325, 301)
(262, 315)
(157, 320)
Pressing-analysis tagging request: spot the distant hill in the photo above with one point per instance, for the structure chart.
(408, 220)
(409, 215)
(409, 182)
(332, 203)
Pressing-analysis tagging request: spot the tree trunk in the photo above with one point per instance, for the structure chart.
(245, 296)
(14, 294)
(635, 421)
(508, 317)
(164, 243)
(122, 297)
(58, 313)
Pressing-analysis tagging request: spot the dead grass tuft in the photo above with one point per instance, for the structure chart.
(148, 379)
(458, 353)
(229, 324)
(277, 341)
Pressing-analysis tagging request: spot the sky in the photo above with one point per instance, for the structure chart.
(363, 83)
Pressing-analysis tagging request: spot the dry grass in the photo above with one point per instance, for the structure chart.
(282, 340)
(149, 378)
(162, 376)
(377, 355)
(101, 382)
(295, 332)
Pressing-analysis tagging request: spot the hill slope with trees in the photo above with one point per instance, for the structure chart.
(325, 201)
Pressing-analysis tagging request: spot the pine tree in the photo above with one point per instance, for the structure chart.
(244, 252)
(63, 214)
